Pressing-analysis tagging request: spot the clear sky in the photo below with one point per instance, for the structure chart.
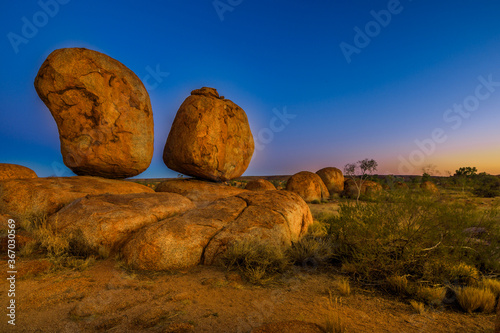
(408, 83)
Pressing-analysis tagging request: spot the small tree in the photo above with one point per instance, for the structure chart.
(487, 186)
(464, 175)
(366, 166)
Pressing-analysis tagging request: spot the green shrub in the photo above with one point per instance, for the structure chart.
(487, 186)
(415, 236)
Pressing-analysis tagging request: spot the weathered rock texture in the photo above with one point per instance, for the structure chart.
(368, 188)
(308, 185)
(201, 235)
(45, 196)
(200, 192)
(14, 171)
(430, 187)
(260, 185)
(210, 138)
(103, 222)
(332, 178)
(102, 111)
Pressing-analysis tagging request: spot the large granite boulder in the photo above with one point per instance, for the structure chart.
(201, 235)
(210, 138)
(102, 111)
(308, 185)
(103, 222)
(14, 171)
(260, 185)
(200, 192)
(333, 179)
(45, 196)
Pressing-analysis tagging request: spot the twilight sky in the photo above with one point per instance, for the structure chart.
(324, 83)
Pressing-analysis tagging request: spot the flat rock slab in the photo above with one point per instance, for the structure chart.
(15, 171)
(103, 222)
(45, 196)
(200, 192)
(201, 235)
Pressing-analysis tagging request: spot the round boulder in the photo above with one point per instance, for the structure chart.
(429, 187)
(308, 185)
(14, 171)
(260, 185)
(210, 138)
(333, 179)
(102, 111)
(368, 188)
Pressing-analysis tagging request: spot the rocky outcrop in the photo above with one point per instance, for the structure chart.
(429, 187)
(201, 235)
(308, 185)
(368, 188)
(102, 111)
(14, 171)
(210, 138)
(260, 185)
(45, 196)
(101, 223)
(332, 178)
(200, 192)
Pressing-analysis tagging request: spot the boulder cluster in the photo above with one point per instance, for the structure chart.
(105, 124)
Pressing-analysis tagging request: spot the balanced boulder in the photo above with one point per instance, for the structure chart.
(45, 196)
(308, 185)
(201, 235)
(102, 222)
(200, 192)
(333, 179)
(14, 171)
(102, 111)
(210, 138)
(260, 185)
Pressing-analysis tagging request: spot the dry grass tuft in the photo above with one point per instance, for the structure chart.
(334, 322)
(343, 287)
(431, 296)
(492, 284)
(473, 299)
(398, 284)
(418, 307)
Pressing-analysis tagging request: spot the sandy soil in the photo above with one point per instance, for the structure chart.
(108, 298)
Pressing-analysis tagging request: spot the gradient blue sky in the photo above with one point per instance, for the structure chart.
(280, 55)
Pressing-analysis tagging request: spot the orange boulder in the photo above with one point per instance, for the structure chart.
(102, 111)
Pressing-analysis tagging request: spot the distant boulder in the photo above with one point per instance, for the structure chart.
(102, 111)
(368, 188)
(429, 187)
(260, 185)
(210, 138)
(333, 179)
(308, 185)
(14, 171)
